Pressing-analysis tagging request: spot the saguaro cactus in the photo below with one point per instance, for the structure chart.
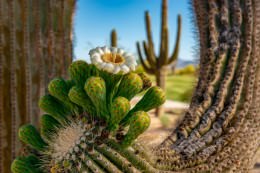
(157, 65)
(85, 119)
(220, 131)
(29, 58)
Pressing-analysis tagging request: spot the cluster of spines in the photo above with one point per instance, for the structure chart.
(86, 98)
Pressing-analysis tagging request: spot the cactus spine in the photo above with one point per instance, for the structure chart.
(157, 65)
(25, 34)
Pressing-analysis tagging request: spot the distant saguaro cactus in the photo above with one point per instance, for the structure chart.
(113, 38)
(157, 65)
(35, 45)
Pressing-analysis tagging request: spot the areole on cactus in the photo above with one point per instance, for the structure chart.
(89, 121)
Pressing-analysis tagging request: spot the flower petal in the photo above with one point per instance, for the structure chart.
(109, 67)
(96, 58)
(101, 65)
(106, 49)
(124, 69)
(99, 50)
(116, 69)
(113, 50)
(120, 51)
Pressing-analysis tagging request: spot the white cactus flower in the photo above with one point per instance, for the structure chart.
(113, 60)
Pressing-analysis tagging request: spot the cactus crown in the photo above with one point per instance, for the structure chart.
(89, 111)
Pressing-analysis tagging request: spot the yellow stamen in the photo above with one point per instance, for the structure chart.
(113, 58)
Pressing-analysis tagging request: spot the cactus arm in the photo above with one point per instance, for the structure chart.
(29, 135)
(164, 35)
(54, 107)
(25, 164)
(130, 85)
(49, 126)
(153, 98)
(95, 87)
(146, 67)
(118, 109)
(78, 96)
(175, 53)
(149, 35)
(152, 61)
(59, 89)
(113, 38)
(139, 122)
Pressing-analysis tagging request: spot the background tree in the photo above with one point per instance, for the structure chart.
(35, 46)
(157, 65)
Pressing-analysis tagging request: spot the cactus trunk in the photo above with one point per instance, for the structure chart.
(25, 28)
(160, 76)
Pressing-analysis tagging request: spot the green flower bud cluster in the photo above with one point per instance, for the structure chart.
(83, 114)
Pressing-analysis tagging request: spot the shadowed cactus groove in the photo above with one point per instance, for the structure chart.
(157, 65)
(221, 129)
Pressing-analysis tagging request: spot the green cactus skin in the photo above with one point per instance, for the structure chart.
(95, 87)
(54, 107)
(153, 98)
(73, 141)
(118, 110)
(78, 96)
(29, 135)
(147, 83)
(49, 126)
(59, 89)
(130, 85)
(25, 165)
(139, 122)
(80, 71)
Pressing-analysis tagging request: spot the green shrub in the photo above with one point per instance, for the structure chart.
(189, 69)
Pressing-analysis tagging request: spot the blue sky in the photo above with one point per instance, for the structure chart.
(95, 19)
